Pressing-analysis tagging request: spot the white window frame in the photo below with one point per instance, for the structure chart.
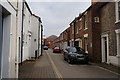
(117, 13)
(86, 21)
(72, 29)
(77, 30)
(86, 47)
(80, 24)
(80, 41)
(97, 19)
(118, 42)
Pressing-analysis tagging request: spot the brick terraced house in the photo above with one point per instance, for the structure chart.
(97, 30)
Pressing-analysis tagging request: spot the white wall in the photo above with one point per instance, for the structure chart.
(26, 29)
(34, 28)
(9, 42)
(115, 60)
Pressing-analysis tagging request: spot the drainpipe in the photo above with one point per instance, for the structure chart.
(18, 45)
(38, 38)
(74, 33)
(41, 38)
(22, 32)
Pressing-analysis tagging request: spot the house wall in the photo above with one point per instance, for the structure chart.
(108, 26)
(96, 34)
(9, 41)
(34, 37)
(26, 29)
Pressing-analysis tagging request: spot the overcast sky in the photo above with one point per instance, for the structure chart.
(56, 16)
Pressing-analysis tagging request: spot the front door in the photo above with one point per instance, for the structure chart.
(105, 48)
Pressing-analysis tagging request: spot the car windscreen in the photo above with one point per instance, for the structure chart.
(72, 49)
(56, 48)
(80, 49)
(45, 47)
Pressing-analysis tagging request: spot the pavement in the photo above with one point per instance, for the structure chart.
(52, 66)
(108, 67)
(39, 68)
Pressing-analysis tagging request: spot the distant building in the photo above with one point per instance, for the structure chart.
(49, 41)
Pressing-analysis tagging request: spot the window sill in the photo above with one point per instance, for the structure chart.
(86, 29)
(118, 56)
(117, 21)
(80, 29)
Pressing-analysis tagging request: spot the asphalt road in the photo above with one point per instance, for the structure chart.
(63, 69)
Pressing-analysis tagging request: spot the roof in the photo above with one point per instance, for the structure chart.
(37, 17)
(27, 6)
(50, 39)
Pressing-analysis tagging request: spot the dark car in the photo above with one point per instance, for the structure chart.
(56, 50)
(75, 54)
(45, 47)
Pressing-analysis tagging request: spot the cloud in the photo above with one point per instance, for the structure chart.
(57, 16)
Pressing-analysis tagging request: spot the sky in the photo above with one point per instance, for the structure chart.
(56, 16)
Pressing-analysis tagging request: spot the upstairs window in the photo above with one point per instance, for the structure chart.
(76, 29)
(80, 24)
(86, 21)
(96, 19)
(72, 29)
(117, 11)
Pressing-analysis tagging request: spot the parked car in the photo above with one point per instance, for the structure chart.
(75, 54)
(56, 50)
(45, 47)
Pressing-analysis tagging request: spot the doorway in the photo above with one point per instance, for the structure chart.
(105, 48)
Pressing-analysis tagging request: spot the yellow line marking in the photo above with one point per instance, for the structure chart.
(107, 70)
(55, 68)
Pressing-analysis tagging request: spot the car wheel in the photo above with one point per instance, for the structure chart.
(65, 59)
(69, 61)
(86, 62)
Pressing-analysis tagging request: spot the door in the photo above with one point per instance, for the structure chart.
(77, 43)
(105, 47)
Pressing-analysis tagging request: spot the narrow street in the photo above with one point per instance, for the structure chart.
(52, 65)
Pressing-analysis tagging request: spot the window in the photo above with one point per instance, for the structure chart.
(72, 29)
(119, 45)
(80, 24)
(117, 10)
(86, 44)
(96, 19)
(86, 22)
(80, 43)
(76, 29)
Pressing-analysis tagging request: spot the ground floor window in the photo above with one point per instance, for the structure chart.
(118, 41)
(80, 43)
(86, 44)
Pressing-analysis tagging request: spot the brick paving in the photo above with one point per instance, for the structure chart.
(40, 68)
